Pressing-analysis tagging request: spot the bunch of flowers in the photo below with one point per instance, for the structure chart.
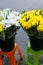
(32, 22)
(8, 22)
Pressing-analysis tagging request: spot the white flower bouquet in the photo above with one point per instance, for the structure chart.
(8, 22)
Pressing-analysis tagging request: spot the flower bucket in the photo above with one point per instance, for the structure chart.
(9, 24)
(7, 44)
(36, 43)
(0, 43)
(32, 23)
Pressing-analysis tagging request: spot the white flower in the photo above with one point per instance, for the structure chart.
(6, 23)
(10, 18)
(12, 21)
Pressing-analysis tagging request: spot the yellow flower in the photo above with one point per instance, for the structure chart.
(40, 28)
(23, 15)
(29, 26)
(29, 12)
(23, 20)
(38, 12)
(33, 11)
(1, 27)
(41, 21)
(31, 15)
(35, 22)
(1, 18)
(24, 24)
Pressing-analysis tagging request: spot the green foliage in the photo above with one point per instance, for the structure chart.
(23, 11)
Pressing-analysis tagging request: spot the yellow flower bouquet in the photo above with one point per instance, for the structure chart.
(32, 23)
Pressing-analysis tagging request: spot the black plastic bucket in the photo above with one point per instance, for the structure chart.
(7, 44)
(36, 43)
